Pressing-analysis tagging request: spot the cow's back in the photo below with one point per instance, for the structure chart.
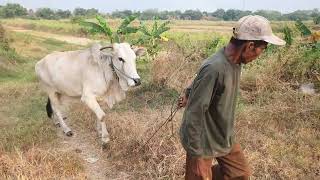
(63, 71)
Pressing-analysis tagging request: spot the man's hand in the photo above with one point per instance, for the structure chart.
(182, 102)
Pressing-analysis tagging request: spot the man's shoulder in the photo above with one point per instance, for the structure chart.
(216, 62)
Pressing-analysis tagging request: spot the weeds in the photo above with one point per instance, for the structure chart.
(277, 126)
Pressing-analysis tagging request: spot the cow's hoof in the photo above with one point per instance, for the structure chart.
(69, 133)
(105, 146)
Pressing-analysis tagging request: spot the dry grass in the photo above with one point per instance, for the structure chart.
(176, 66)
(277, 125)
(40, 164)
(130, 124)
(279, 128)
(162, 158)
(277, 122)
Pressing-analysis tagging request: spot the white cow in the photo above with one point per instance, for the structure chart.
(92, 75)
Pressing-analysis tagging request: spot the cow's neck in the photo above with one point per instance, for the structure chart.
(116, 78)
(114, 70)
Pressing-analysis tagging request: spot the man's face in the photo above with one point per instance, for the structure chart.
(252, 52)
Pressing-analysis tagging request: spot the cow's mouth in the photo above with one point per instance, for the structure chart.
(137, 81)
(134, 82)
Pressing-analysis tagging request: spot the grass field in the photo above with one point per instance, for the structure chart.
(277, 126)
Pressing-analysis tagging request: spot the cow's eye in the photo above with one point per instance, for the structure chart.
(121, 59)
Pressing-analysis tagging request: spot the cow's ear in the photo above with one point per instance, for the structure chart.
(139, 51)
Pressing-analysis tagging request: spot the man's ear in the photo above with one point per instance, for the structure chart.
(251, 45)
(139, 51)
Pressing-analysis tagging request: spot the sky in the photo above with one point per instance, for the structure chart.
(105, 6)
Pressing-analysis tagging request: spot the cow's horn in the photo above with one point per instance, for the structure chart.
(107, 47)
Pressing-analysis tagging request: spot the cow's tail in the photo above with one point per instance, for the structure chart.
(49, 109)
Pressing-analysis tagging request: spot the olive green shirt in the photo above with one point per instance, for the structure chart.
(207, 128)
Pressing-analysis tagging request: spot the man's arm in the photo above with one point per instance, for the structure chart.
(202, 89)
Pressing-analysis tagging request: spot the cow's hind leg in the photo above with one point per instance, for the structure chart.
(50, 113)
(55, 105)
(92, 103)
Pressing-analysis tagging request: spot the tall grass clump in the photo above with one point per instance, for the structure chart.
(6, 51)
(177, 64)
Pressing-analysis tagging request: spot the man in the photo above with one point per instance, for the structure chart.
(207, 130)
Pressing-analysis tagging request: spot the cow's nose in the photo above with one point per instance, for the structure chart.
(137, 81)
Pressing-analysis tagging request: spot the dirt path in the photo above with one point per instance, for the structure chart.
(86, 145)
(68, 39)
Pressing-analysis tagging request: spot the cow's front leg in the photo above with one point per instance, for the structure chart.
(92, 103)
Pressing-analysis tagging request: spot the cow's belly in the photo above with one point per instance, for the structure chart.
(67, 85)
(67, 79)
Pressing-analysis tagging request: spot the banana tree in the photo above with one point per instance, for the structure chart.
(304, 30)
(152, 36)
(288, 37)
(102, 27)
(314, 37)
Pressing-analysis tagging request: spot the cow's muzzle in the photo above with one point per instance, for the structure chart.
(137, 81)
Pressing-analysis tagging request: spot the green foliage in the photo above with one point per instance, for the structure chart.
(304, 30)
(102, 27)
(121, 14)
(192, 15)
(61, 14)
(76, 19)
(317, 45)
(152, 36)
(233, 14)
(92, 12)
(270, 15)
(316, 19)
(219, 13)
(288, 35)
(46, 13)
(213, 45)
(12, 10)
(5, 49)
(4, 42)
(79, 12)
(85, 12)
(125, 28)
(306, 65)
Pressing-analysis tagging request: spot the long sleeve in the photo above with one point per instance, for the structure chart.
(198, 103)
(201, 91)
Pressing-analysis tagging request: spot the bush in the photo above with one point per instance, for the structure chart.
(288, 37)
(316, 19)
(5, 50)
(4, 42)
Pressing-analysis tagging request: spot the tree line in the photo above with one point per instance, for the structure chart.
(11, 10)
